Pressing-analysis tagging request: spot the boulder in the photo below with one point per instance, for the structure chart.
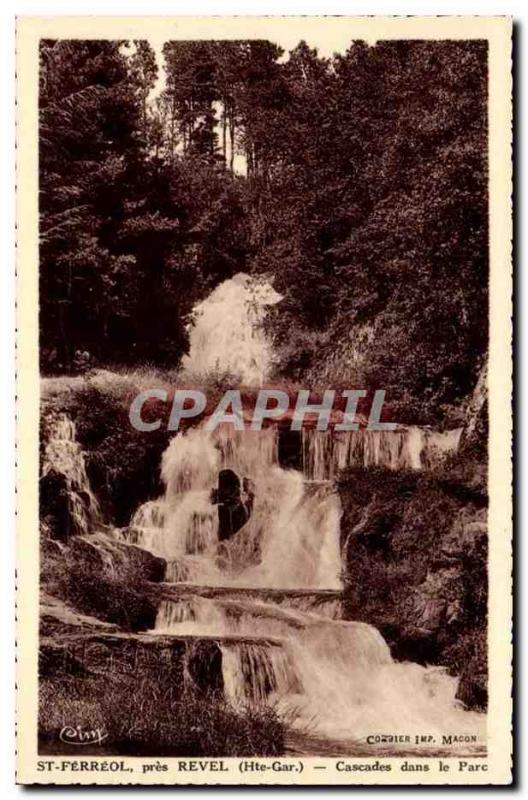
(117, 558)
(204, 666)
(55, 506)
(102, 577)
(235, 502)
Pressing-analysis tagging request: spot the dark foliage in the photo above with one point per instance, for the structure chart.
(416, 567)
(358, 183)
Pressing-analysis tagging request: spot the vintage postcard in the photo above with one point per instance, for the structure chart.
(264, 400)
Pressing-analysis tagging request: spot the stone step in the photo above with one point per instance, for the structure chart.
(80, 651)
(178, 590)
(295, 607)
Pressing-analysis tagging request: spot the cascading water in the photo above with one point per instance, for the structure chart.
(270, 594)
(325, 455)
(226, 336)
(291, 540)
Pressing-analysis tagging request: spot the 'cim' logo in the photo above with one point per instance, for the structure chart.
(77, 735)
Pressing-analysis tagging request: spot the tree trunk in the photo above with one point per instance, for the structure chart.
(232, 138)
(224, 130)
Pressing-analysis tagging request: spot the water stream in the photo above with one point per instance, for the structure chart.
(270, 594)
(329, 677)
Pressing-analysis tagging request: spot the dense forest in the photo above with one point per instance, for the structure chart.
(357, 183)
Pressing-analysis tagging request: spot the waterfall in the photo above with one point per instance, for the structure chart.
(270, 595)
(267, 598)
(333, 678)
(191, 615)
(352, 687)
(253, 673)
(290, 541)
(64, 457)
(324, 454)
(226, 334)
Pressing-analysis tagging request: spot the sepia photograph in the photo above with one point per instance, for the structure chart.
(263, 381)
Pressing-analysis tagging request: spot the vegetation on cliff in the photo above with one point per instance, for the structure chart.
(415, 566)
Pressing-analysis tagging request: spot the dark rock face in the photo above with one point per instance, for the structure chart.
(235, 502)
(204, 665)
(149, 567)
(55, 507)
(290, 449)
(473, 685)
(474, 435)
(416, 567)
